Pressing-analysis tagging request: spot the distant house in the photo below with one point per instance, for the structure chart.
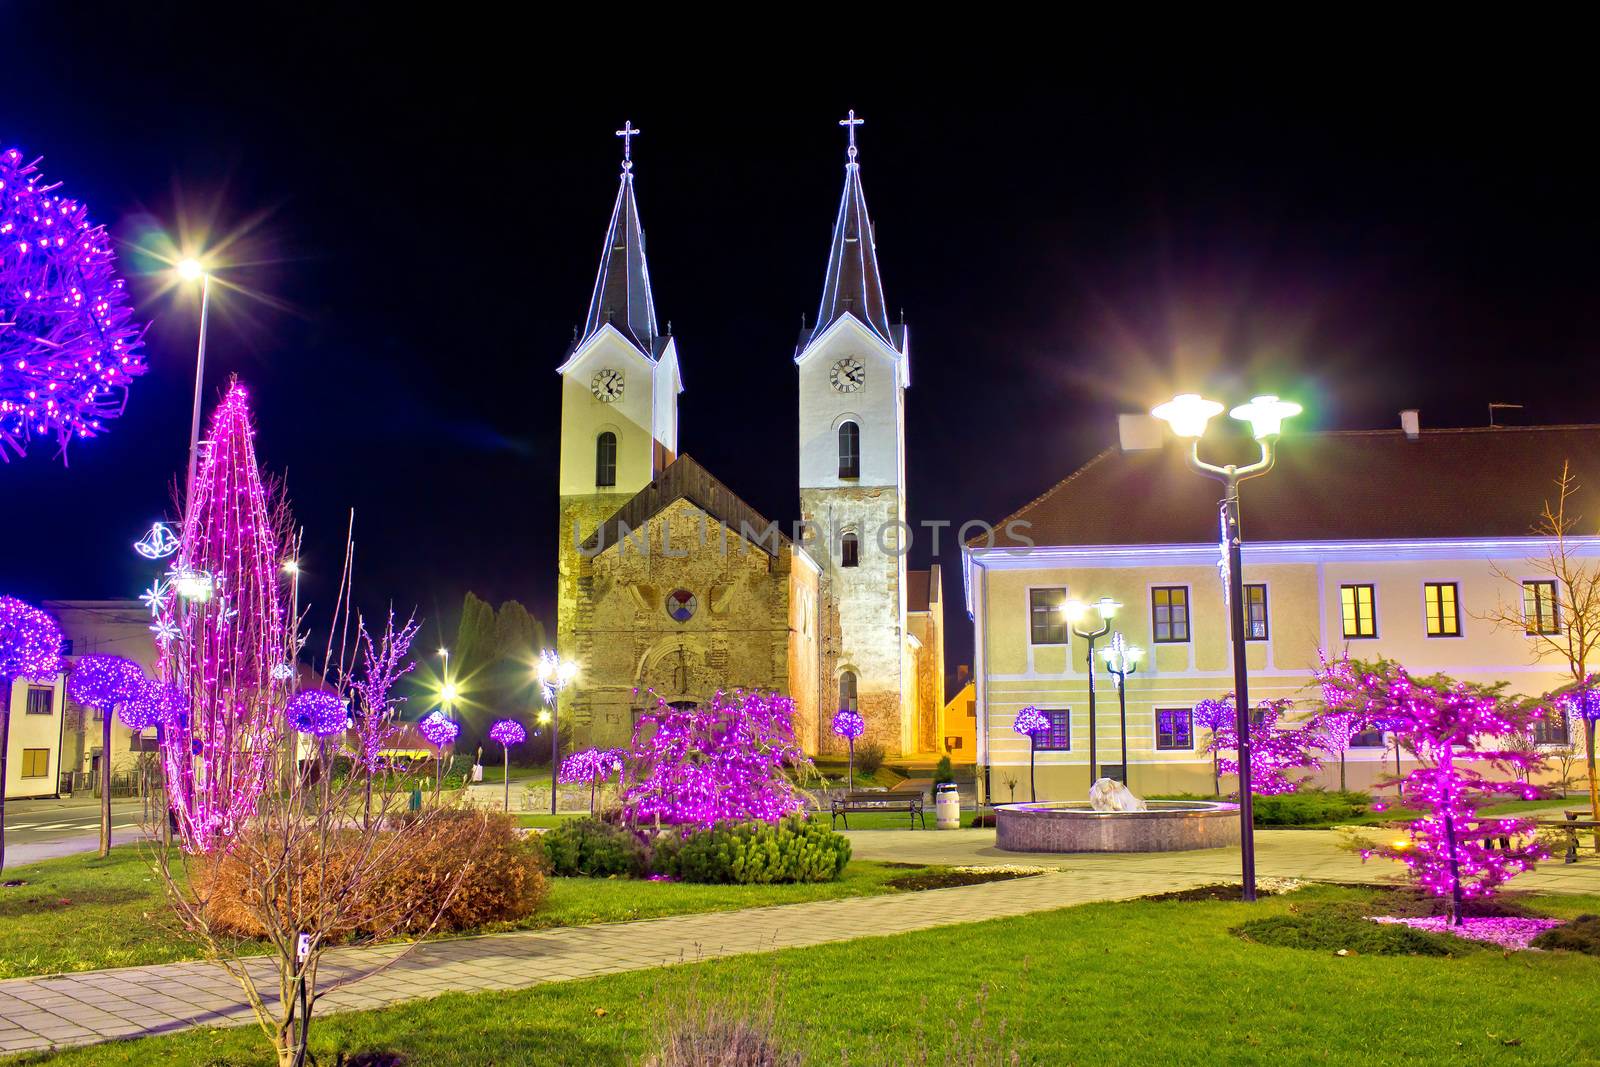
(1381, 543)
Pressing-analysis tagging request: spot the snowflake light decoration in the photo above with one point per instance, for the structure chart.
(508, 732)
(69, 344)
(439, 728)
(318, 712)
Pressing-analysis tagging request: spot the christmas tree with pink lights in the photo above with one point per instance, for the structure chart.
(1275, 749)
(225, 639)
(1451, 728)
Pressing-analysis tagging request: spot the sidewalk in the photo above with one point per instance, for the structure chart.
(76, 1009)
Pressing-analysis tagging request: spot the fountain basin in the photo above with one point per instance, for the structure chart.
(1068, 826)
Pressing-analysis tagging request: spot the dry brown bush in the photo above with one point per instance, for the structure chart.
(504, 881)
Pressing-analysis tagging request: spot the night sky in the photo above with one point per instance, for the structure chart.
(422, 217)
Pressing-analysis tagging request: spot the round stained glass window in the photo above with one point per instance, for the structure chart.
(681, 605)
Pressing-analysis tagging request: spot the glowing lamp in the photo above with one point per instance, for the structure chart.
(190, 269)
(1265, 414)
(544, 717)
(291, 567)
(193, 585)
(1187, 414)
(448, 693)
(1074, 610)
(1106, 607)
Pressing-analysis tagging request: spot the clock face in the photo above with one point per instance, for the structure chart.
(607, 386)
(848, 375)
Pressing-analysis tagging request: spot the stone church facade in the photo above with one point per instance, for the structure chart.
(670, 586)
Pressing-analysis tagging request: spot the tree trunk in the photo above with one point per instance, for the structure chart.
(1594, 786)
(1341, 773)
(5, 739)
(105, 782)
(1033, 790)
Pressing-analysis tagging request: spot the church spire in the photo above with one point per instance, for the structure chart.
(852, 285)
(622, 288)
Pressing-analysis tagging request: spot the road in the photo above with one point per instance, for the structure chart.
(43, 829)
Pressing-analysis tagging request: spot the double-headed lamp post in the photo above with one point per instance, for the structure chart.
(555, 674)
(1122, 659)
(1076, 610)
(1188, 415)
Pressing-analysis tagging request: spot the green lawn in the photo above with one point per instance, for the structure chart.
(1127, 983)
(84, 913)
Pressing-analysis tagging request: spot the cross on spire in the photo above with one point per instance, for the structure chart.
(627, 133)
(850, 125)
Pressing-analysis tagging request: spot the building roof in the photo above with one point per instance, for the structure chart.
(622, 288)
(923, 588)
(1345, 485)
(852, 285)
(685, 479)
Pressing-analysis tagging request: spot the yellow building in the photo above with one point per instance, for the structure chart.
(1392, 544)
(960, 727)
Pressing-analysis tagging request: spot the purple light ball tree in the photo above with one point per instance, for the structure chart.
(1030, 723)
(69, 345)
(105, 683)
(591, 766)
(318, 712)
(1583, 703)
(508, 732)
(441, 732)
(850, 725)
(1215, 716)
(30, 647)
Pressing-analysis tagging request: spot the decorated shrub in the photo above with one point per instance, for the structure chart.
(595, 849)
(504, 881)
(750, 853)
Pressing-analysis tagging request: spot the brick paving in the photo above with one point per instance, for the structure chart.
(75, 1009)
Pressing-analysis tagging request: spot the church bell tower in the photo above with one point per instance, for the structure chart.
(854, 368)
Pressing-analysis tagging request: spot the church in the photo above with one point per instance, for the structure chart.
(670, 584)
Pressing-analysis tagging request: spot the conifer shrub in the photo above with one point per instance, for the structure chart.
(756, 853)
(595, 849)
(944, 772)
(869, 757)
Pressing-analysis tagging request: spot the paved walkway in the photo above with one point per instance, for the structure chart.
(74, 1009)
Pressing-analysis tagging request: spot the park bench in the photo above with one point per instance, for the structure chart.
(1574, 822)
(910, 803)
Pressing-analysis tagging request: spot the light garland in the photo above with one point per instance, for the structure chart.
(318, 712)
(849, 724)
(728, 759)
(105, 682)
(1274, 750)
(30, 644)
(1030, 721)
(69, 344)
(220, 742)
(381, 669)
(440, 729)
(508, 732)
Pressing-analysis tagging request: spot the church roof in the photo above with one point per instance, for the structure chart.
(852, 285)
(685, 479)
(622, 288)
(1339, 485)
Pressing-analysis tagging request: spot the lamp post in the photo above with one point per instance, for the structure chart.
(555, 674)
(190, 270)
(1187, 415)
(1075, 610)
(1122, 659)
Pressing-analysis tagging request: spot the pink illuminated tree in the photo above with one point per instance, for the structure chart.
(30, 647)
(1213, 716)
(225, 637)
(733, 758)
(105, 683)
(1030, 723)
(1275, 749)
(590, 767)
(383, 663)
(1450, 727)
(1339, 723)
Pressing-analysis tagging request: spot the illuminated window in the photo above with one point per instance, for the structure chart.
(849, 450)
(1539, 607)
(41, 700)
(1058, 736)
(1443, 609)
(1255, 613)
(849, 551)
(605, 459)
(1355, 602)
(1367, 739)
(847, 691)
(1174, 729)
(1169, 608)
(1551, 729)
(1049, 625)
(36, 763)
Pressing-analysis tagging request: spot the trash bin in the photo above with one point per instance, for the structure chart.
(947, 806)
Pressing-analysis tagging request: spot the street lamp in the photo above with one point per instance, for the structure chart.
(1188, 415)
(1075, 610)
(189, 270)
(1122, 659)
(555, 674)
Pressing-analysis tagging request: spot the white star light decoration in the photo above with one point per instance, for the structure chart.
(155, 598)
(165, 632)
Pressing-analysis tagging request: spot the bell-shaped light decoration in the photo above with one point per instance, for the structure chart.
(1265, 414)
(1187, 414)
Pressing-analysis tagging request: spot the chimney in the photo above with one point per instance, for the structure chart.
(1137, 433)
(1411, 423)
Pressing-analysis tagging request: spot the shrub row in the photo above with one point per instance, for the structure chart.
(740, 853)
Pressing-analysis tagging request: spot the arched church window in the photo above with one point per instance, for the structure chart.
(849, 450)
(605, 459)
(849, 550)
(847, 691)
